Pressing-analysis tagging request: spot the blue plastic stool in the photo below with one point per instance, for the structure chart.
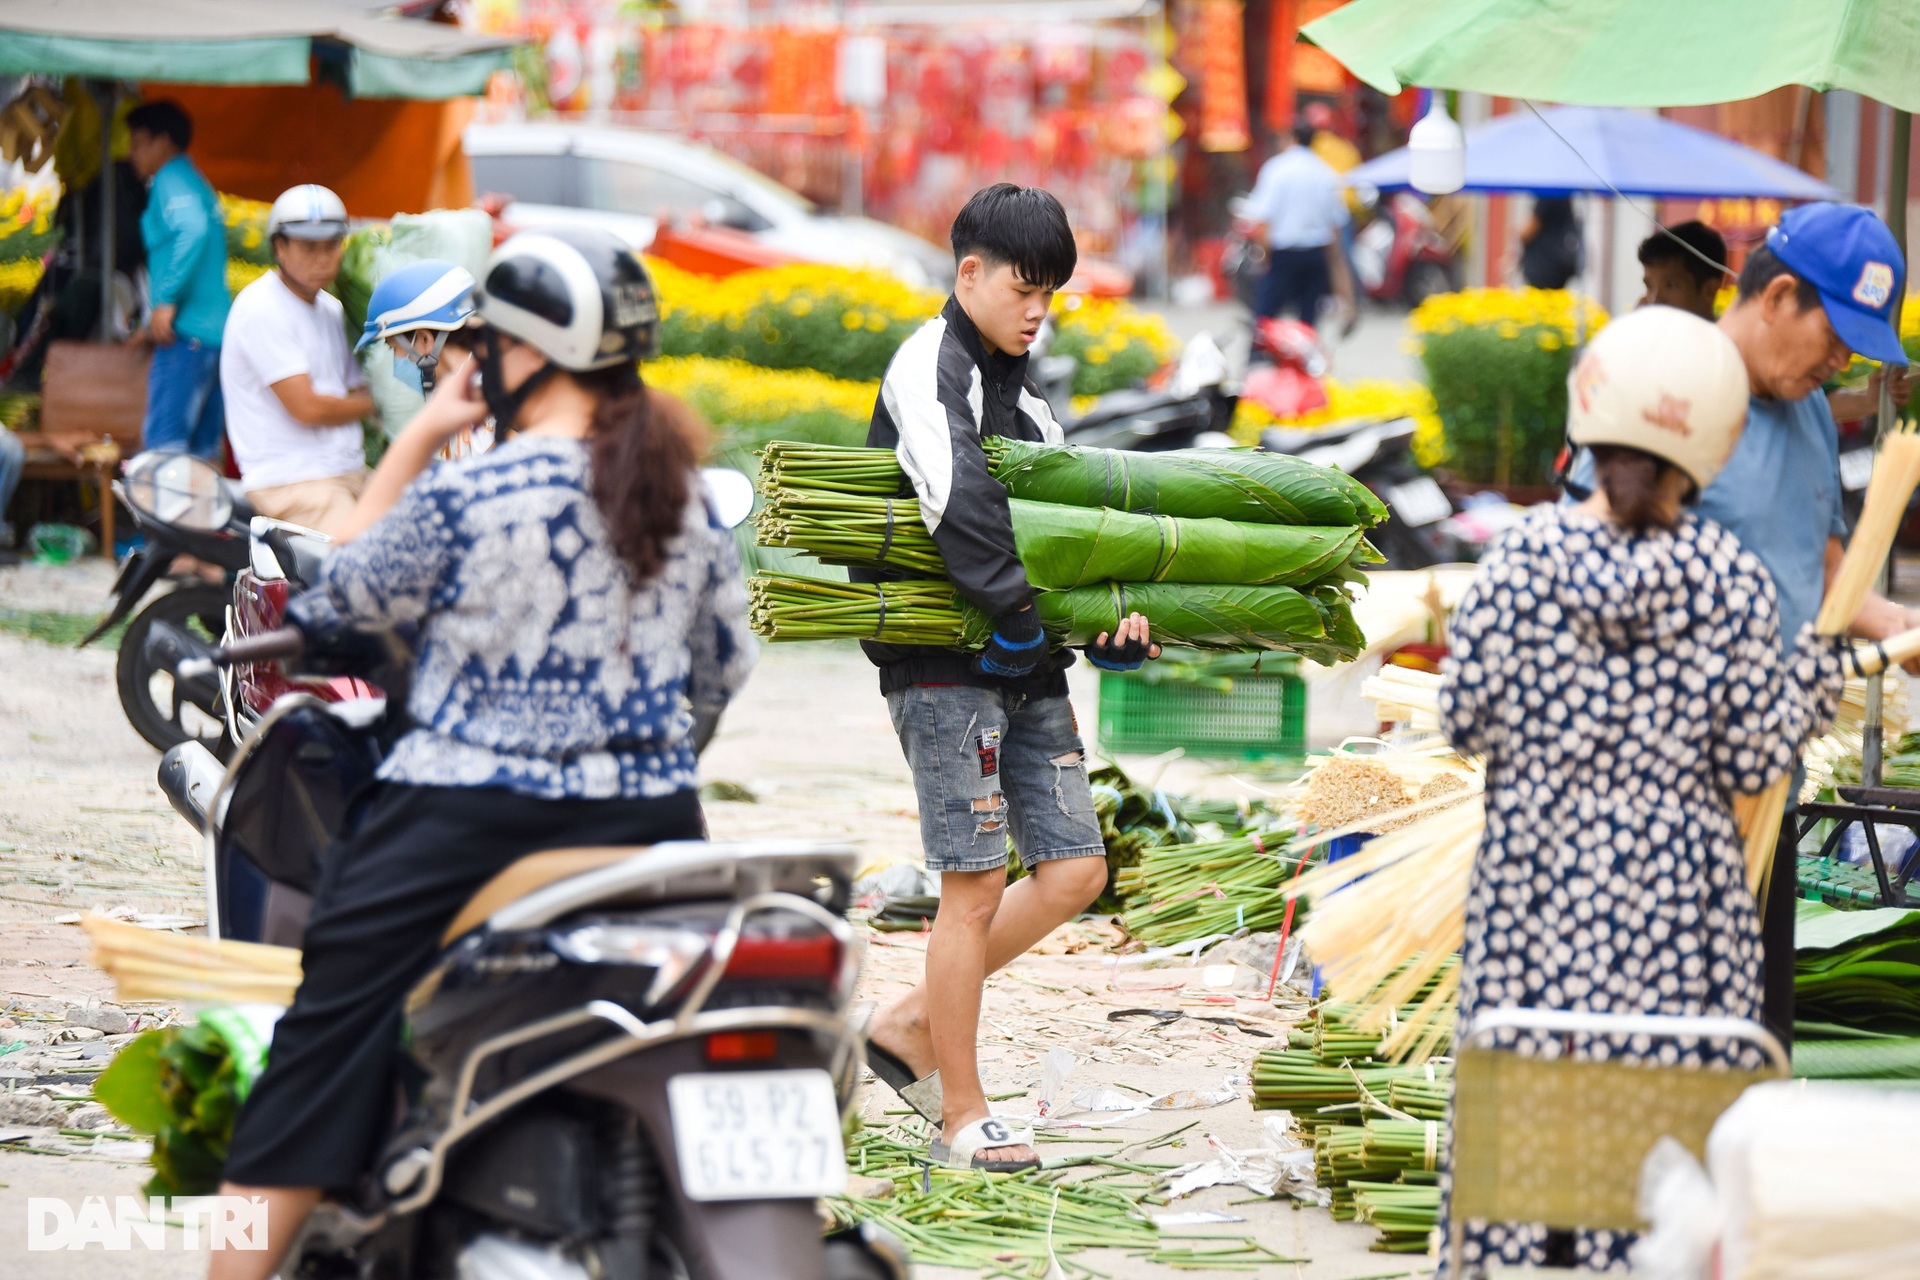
(1337, 848)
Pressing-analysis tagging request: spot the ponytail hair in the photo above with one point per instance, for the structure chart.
(645, 445)
(1631, 480)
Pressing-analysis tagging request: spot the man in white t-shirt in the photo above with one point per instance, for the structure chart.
(293, 393)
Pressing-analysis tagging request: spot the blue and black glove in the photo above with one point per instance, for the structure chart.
(1109, 656)
(1015, 648)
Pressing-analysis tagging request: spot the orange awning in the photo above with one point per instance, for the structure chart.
(382, 155)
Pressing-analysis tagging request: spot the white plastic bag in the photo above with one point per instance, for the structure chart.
(1678, 1199)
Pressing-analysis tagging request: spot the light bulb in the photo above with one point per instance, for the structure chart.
(1436, 152)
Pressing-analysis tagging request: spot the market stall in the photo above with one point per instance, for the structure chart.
(287, 93)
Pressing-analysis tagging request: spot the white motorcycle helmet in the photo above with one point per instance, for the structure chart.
(307, 212)
(1665, 382)
(577, 295)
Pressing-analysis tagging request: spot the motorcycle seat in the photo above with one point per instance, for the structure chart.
(534, 872)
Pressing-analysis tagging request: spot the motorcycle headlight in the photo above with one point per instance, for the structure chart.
(177, 489)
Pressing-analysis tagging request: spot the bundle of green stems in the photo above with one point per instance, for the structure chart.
(1406, 1216)
(1181, 892)
(1026, 1224)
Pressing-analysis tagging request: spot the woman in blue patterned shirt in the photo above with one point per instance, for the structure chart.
(579, 609)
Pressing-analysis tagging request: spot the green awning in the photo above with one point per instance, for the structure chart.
(271, 60)
(245, 42)
(1630, 53)
(377, 75)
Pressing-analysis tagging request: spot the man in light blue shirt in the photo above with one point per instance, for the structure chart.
(1299, 208)
(186, 242)
(1821, 288)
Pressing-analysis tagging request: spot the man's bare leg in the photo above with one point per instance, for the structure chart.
(956, 971)
(287, 1208)
(1017, 918)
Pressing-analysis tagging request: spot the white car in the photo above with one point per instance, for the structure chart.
(622, 180)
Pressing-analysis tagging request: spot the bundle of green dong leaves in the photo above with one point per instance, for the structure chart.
(183, 1085)
(1221, 549)
(1856, 990)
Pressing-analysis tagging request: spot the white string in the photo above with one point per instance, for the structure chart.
(1622, 196)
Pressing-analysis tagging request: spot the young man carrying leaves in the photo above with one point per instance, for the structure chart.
(990, 737)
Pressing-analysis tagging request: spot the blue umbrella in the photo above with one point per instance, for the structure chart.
(1640, 155)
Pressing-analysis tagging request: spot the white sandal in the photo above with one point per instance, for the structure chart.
(985, 1134)
(923, 1094)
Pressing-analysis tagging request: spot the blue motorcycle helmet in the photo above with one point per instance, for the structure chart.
(430, 296)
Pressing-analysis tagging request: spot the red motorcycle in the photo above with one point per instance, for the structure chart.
(1401, 255)
(1287, 369)
(286, 559)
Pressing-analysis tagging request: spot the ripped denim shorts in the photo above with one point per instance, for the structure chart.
(989, 763)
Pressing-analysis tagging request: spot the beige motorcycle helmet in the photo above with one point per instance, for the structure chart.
(1665, 382)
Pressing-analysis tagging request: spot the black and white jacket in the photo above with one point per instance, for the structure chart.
(943, 393)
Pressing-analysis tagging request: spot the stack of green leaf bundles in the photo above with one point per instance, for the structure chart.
(1221, 549)
(1857, 995)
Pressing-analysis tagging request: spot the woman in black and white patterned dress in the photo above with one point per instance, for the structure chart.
(1618, 666)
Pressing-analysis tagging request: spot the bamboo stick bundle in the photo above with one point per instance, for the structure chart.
(1896, 472)
(1296, 1080)
(1395, 1146)
(1429, 1026)
(1404, 694)
(1406, 1216)
(1399, 903)
(150, 965)
(1421, 1099)
(1336, 1160)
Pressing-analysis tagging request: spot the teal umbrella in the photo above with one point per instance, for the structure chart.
(1630, 53)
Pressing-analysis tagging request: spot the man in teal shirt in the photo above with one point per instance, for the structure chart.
(186, 242)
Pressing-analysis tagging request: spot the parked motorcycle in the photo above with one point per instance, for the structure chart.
(1286, 368)
(1194, 403)
(182, 506)
(1243, 258)
(1379, 455)
(1400, 255)
(636, 1062)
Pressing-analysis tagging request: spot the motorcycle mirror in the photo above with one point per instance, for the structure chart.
(729, 494)
(177, 489)
(1202, 365)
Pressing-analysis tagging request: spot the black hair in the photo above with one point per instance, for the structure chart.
(1631, 480)
(1695, 235)
(1762, 267)
(1303, 133)
(1024, 227)
(163, 119)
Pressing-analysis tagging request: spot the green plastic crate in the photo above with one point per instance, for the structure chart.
(1261, 715)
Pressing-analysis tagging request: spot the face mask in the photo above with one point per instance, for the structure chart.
(408, 375)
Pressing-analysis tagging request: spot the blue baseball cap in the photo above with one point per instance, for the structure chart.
(1848, 254)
